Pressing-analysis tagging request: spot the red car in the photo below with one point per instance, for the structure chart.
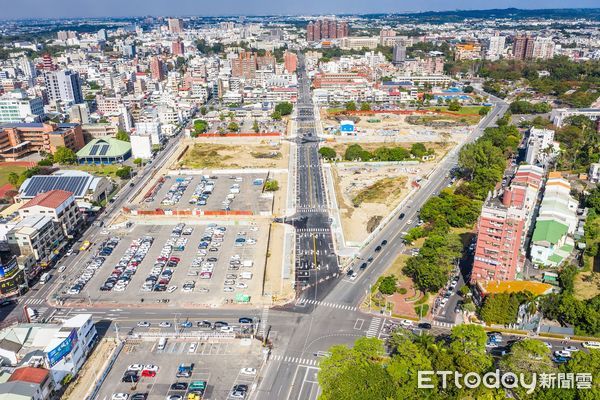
(176, 259)
(148, 373)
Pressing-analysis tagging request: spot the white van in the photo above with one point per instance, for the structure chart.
(247, 263)
(45, 277)
(246, 275)
(162, 342)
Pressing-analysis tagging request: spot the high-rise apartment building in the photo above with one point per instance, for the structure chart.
(399, 54)
(175, 25)
(496, 46)
(64, 85)
(503, 225)
(290, 61)
(177, 47)
(326, 29)
(523, 47)
(244, 66)
(157, 69)
(543, 48)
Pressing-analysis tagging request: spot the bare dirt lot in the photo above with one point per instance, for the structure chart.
(234, 153)
(368, 193)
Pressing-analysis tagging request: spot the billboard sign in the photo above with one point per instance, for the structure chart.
(64, 348)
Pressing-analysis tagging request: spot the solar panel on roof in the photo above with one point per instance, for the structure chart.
(94, 150)
(104, 150)
(44, 183)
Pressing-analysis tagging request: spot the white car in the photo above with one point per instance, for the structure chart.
(228, 289)
(227, 329)
(241, 285)
(120, 396)
(591, 345)
(570, 349)
(135, 367)
(143, 324)
(548, 345)
(193, 347)
(61, 269)
(68, 254)
(171, 289)
(151, 367)
(353, 276)
(248, 371)
(405, 323)
(165, 324)
(562, 353)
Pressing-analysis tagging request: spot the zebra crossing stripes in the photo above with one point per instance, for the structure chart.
(373, 327)
(312, 230)
(295, 360)
(444, 324)
(34, 301)
(304, 302)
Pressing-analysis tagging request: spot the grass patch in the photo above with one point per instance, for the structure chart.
(396, 267)
(587, 285)
(205, 156)
(101, 170)
(421, 309)
(423, 299)
(6, 170)
(382, 191)
(463, 110)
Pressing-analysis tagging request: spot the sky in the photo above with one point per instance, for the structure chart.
(119, 8)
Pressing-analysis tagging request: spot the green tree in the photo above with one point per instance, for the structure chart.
(356, 152)
(272, 185)
(328, 153)
(233, 127)
(350, 106)
(64, 155)
(454, 106)
(500, 308)
(276, 115)
(122, 135)
(365, 107)
(124, 172)
(468, 348)
(468, 89)
(255, 126)
(200, 126)
(485, 110)
(284, 108)
(418, 150)
(203, 110)
(388, 285)
(13, 179)
(138, 161)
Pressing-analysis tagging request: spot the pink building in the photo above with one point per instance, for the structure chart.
(503, 227)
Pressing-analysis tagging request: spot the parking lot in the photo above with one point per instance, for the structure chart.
(186, 264)
(218, 365)
(215, 192)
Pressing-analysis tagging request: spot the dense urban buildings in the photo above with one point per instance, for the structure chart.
(326, 29)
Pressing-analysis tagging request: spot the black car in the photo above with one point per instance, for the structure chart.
(159, 288)
(179, 386)
(219, 324)
(370, 259)
(130, 376)
(245, 320)
(350, 272)
(499, 351)
(401, 216)
(203, 324)
(212, 259)
(424, 325)
(383, 243)
(106, 288)
(139, 396)
(378, 248)
(7, 303)
(363, 266)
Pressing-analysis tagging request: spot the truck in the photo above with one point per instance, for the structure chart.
(184, 370)
(45, 277)
(162, 342)
(246, 275)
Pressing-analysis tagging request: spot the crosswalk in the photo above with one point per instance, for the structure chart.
(263, 321)
(374, 327)
(312, 230)
(303, 302)
(295, 360)
(34, 301)
(444, 324)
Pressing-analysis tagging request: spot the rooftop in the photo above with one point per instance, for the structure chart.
(104, 147)
(537, 288)
(51, 199)
(29, 374)
(549, 231)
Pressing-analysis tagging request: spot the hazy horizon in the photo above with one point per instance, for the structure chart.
(135, 8)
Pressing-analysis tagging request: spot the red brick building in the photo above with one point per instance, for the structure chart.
(21, 139)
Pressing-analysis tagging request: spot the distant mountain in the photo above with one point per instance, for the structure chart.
(507, 13)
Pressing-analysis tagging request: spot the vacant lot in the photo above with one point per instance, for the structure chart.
(218, 156)
(5, 171)
(383, 191)
(587, 285)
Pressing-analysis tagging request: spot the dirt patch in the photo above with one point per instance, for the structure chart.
(91, 370)
(382, 191)
(587, 285)
(373, 223)
(265, 154)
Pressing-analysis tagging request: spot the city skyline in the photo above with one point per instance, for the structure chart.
(114, 8)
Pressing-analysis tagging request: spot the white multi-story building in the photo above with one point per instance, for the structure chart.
(541, 147)
(15, 106)
(496, 46)
(543, 47)
(64, 86)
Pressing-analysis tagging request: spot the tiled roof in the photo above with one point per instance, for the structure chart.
(29, 374)
(51, 199)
